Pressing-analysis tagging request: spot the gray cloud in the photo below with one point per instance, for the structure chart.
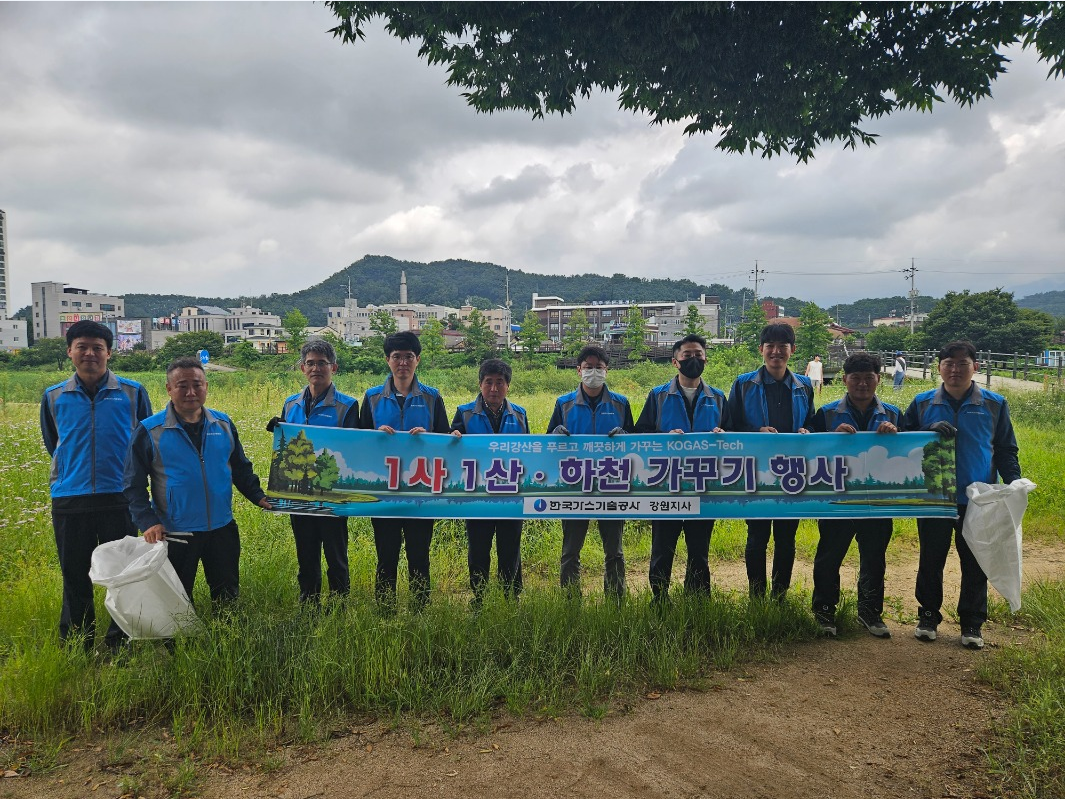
(239, 149)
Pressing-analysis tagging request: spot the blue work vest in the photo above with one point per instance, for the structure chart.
(93, 435)
(671, 412)
(475, 418)
(191, 491)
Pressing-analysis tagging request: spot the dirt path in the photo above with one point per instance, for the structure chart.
(856, 718)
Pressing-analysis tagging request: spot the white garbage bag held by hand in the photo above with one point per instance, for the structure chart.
(144, 595)
(992, 529)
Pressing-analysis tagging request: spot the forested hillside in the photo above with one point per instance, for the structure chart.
(374, 279)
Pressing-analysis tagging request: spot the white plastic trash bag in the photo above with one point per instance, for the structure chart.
(144, 595)
(992, 529)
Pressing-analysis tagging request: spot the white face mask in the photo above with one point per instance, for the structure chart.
(593, 378)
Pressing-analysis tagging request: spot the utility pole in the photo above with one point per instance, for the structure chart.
(757, 279)
(509, 320)
(914, 293)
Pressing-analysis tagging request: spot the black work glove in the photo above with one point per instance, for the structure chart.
(615, 431)
(560, 430)
(945, 429)
(273, 423)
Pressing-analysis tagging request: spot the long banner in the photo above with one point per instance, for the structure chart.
(337, 472)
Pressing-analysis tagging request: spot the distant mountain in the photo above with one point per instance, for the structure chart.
(1053, 302)
(374, 279)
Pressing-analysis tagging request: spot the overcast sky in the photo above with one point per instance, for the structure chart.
(238, 149)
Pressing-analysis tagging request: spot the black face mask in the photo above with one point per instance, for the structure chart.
(692, 367)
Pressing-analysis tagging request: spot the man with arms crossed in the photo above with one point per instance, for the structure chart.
(194, 458)
(859, 410)
(985, 449)
(683, 405)
(771, 400)
(320, 404)
(86, 423)
(592, 409)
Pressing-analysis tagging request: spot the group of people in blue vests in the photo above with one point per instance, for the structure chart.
(118, 468)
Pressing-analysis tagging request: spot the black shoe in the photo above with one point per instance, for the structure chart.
(926, 627)
(971, 638)
(875, 625)
(826, 620)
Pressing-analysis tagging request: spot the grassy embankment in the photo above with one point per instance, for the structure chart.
(270, 673)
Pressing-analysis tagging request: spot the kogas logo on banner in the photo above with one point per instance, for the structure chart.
(540, 505)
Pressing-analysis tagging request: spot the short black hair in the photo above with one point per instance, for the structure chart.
(320, 346)
(184, 362)
(691, 338)
(403, 342)
(87, 328)
(593, 351)
(862, 362)
(779, 333)
(955, 348)
(495, 366)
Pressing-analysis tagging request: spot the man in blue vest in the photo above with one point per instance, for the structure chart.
(592, 410)
(320, 404)
(86, 423)
(985, 449)
(685, 404)
(771, 400)
(403, 405)
(859, 411)
(194, 458)
(493, 414)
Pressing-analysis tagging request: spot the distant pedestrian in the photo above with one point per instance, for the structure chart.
(900, 371)
(815, 370)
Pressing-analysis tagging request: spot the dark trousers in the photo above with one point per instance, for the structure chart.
(836, 535)
(611, 531)
(76, 536)
(758, 532)
(935, 536)
(388, 538)
(664, 537)
(218, 550)
(315, 534)
(507, 534)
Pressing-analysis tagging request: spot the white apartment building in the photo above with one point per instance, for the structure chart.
(13, 334)
(607, 317)
(351, 321)
(56, 306)
(234, 324)
(5, 278)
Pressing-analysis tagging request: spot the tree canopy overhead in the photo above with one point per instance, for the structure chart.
(769, 77)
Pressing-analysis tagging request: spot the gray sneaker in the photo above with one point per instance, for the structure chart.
(971, 638)
(926, 628)
(875, 625)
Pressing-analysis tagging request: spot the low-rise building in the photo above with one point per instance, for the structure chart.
(234, 324)
(56, 306)
(606, 318)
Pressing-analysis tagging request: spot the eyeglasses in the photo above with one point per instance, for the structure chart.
(409, 357)
(956, 366)
(317, 364)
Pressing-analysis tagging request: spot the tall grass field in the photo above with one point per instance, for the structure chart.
(268, 670)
